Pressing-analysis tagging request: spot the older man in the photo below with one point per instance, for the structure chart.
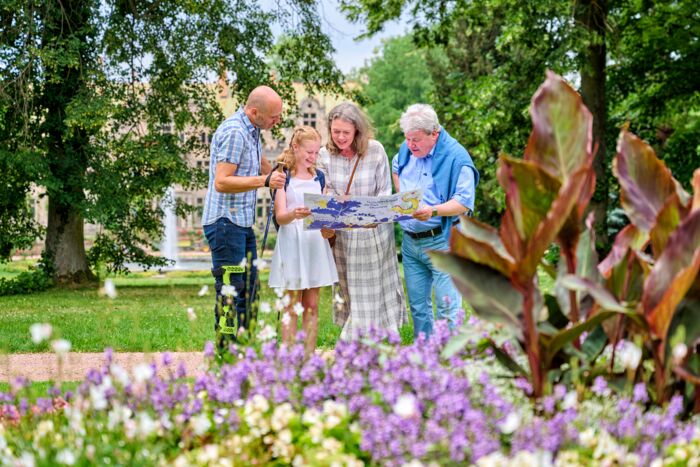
(431, 160)
(236, 171)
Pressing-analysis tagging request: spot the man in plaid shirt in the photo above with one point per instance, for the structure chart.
(236, 171)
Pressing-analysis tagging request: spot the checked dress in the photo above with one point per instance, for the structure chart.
(368, 270)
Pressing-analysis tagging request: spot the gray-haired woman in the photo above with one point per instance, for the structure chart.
(368, 269)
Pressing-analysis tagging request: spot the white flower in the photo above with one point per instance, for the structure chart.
(98, 398)
(680, 350)
(286, 300)
(406, 406)
(200, 424)
(142, 372)
(510, 424)
(265, 307)
(298, 308)
(338, 299)
(65, 457)
(40, 332)
(120, 374)
(146, 425)
(570, 400)
(191, 315)
(267, 333)
(260, 263)
(109, 289)
(45, 427)
(203, 291)
(228, 291)
(60, 346)
(244, 262)
(279, 291)
(286, 319)
(630, 355)
(587, 437)
(281, 416)
(25, 460)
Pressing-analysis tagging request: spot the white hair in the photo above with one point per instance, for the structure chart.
(419, 117)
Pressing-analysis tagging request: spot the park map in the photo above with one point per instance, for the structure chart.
(348, 212)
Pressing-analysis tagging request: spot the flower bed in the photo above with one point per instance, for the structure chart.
(371, 402)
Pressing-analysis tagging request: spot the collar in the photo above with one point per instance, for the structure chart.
(246, 121)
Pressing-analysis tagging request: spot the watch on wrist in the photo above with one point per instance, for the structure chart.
(435, 212)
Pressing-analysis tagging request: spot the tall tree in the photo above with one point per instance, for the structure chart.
(96, 93)
(396, 78)
(633, 60)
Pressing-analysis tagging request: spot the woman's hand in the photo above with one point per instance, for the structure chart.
(301, 212)
(327, 233)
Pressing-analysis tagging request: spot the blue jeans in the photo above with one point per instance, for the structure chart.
(421, 277)
(229, 244)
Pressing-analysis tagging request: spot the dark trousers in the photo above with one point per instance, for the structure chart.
(229, 245)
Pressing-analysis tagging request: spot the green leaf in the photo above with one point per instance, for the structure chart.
(672, 275)
(455, 344)
(594, 343)
(566, 336)
(489, 293)
(562, 127)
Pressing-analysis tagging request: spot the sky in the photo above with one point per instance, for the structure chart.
(349, 53)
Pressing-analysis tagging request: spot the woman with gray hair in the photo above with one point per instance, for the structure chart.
(368, 270)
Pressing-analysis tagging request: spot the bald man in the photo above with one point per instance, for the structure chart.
(236, 171)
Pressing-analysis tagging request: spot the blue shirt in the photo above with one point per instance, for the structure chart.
(418, 174)
(236, 141)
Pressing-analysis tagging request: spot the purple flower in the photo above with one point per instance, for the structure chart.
(640, 393)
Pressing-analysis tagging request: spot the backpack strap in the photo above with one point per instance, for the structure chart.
(321, 179)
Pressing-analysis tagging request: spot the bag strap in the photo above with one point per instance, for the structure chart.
(352, 175)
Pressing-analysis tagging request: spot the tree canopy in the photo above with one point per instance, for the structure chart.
(94, 96)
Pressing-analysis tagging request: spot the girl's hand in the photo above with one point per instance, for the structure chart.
(301, 212)
(327, 233)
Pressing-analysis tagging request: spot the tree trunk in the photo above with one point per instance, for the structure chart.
(65, 25)
(65, 244)
(592, 15)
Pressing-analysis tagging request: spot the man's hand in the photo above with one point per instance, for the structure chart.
(327, 233)
(277, 180)
(301, 212)
(424, 213)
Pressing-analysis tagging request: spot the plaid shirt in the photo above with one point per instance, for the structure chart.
(236, 141)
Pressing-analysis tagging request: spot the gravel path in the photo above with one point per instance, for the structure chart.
(45, 366)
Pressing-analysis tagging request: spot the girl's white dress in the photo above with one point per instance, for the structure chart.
(302, 258)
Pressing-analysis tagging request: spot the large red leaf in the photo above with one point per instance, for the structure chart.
(480, 243)
(562, 129)
(530, 191)
(645, 181)
(490, 294)
(629, 237)
(549, 228)
(672, 275)
(668, 219)
(696, 190)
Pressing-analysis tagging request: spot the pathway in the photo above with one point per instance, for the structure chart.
(45, 366)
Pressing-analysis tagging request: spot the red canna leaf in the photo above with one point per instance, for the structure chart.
(480, 243)
(645, 181)
(673, 275)
(562, 129)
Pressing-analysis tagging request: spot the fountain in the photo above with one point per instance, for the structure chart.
(168, 248)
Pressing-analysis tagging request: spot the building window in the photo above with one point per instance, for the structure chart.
(309, 119)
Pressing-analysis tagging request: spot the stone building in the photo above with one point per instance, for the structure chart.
(310, 110)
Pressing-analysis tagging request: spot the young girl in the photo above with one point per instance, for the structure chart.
(302, 261)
